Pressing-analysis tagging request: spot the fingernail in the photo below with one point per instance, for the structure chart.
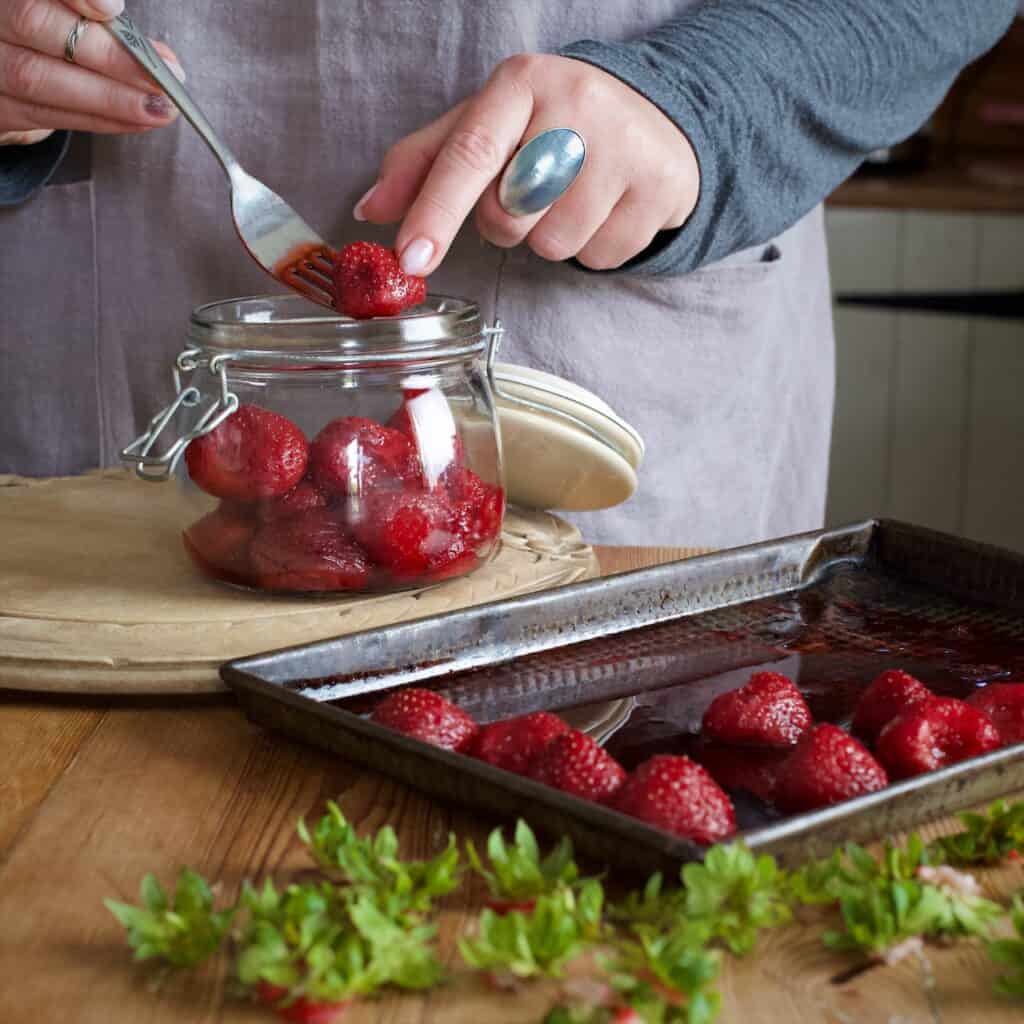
(357, 211)
(158, 106)
(176, 69)
(416, 256)
(108, 8)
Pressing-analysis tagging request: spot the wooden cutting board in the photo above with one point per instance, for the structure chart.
(98, 596)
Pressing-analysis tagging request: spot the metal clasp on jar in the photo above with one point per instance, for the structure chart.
(158, 467)
(494, 336)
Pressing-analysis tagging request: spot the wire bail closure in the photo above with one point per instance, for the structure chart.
(494, 337)
(158, 468)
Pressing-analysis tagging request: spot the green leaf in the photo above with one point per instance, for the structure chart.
(666, 975)
(736, 894)
(398, 955)
(885, 901)
(540, 942)
(1009, 953)
(816, 882)
(372, 864)
(652, 905)
(517, 872)
(330, 943)
(183, 933)
(152, 894)
(986, 838)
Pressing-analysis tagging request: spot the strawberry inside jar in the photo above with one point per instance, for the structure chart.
(323, 454)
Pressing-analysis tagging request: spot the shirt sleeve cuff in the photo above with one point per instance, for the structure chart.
(24, 169)
(678, 250)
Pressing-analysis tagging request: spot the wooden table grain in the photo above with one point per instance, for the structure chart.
(95, 793)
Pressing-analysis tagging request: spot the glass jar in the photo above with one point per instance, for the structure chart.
(320, 454)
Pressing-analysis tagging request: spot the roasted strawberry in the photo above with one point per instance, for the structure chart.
(942, 732)
(300, 1010)
(1004, 705)
(368, 282)
(891, 694)
(768, 711)
(751, 770)
(459, 565)
(514, 743)
(253, 454)
(219, 542)
(478, 506)
(576, 764)
(356, 456)
(311, 551)
(826, 767)
(410, 534)
(427, 716)
(677, 795)
(305, 496)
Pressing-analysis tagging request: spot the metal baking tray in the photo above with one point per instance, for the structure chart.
(830, 609)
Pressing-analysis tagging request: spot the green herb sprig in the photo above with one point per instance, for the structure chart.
(665, 976)
(986, 838)
(654, 905)
(326, 944)
(372, 864)
(541, 942)
(736, 895)
(517, 873)
(884, 901)
(182, 931)
(1009, 953)
(365, 924)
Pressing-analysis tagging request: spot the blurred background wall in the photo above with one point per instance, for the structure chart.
(927, 254)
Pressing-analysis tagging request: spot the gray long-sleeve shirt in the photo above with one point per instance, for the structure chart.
(781, 100)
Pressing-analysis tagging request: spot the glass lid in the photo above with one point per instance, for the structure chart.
(285, 328)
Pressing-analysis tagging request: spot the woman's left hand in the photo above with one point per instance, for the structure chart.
(640, 176)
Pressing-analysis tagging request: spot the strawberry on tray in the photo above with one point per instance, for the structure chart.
(759, 739)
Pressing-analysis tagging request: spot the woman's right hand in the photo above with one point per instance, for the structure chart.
(105, 90)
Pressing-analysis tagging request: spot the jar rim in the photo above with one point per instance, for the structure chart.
(282, 328)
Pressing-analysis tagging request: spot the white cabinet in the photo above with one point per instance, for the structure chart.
(929, 420)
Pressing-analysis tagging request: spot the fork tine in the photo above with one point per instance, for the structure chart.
(313, 280)
(312, 288)
(313, 273)
(322, 261)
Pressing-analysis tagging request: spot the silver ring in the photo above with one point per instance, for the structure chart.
(541, 171)
(73, 39)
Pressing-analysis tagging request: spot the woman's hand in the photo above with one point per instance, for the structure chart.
(640, 175)
(103, 91)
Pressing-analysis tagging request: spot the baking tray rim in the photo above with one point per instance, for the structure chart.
(810, 540)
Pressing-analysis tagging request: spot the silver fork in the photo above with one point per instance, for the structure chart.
(277, 238)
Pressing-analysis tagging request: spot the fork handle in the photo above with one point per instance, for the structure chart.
(135, 42)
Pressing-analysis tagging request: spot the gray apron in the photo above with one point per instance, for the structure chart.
(726, 372)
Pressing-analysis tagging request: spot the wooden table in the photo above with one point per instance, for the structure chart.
(95, 793)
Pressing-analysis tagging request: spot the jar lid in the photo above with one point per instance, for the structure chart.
(278, 330)
(563, 447)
